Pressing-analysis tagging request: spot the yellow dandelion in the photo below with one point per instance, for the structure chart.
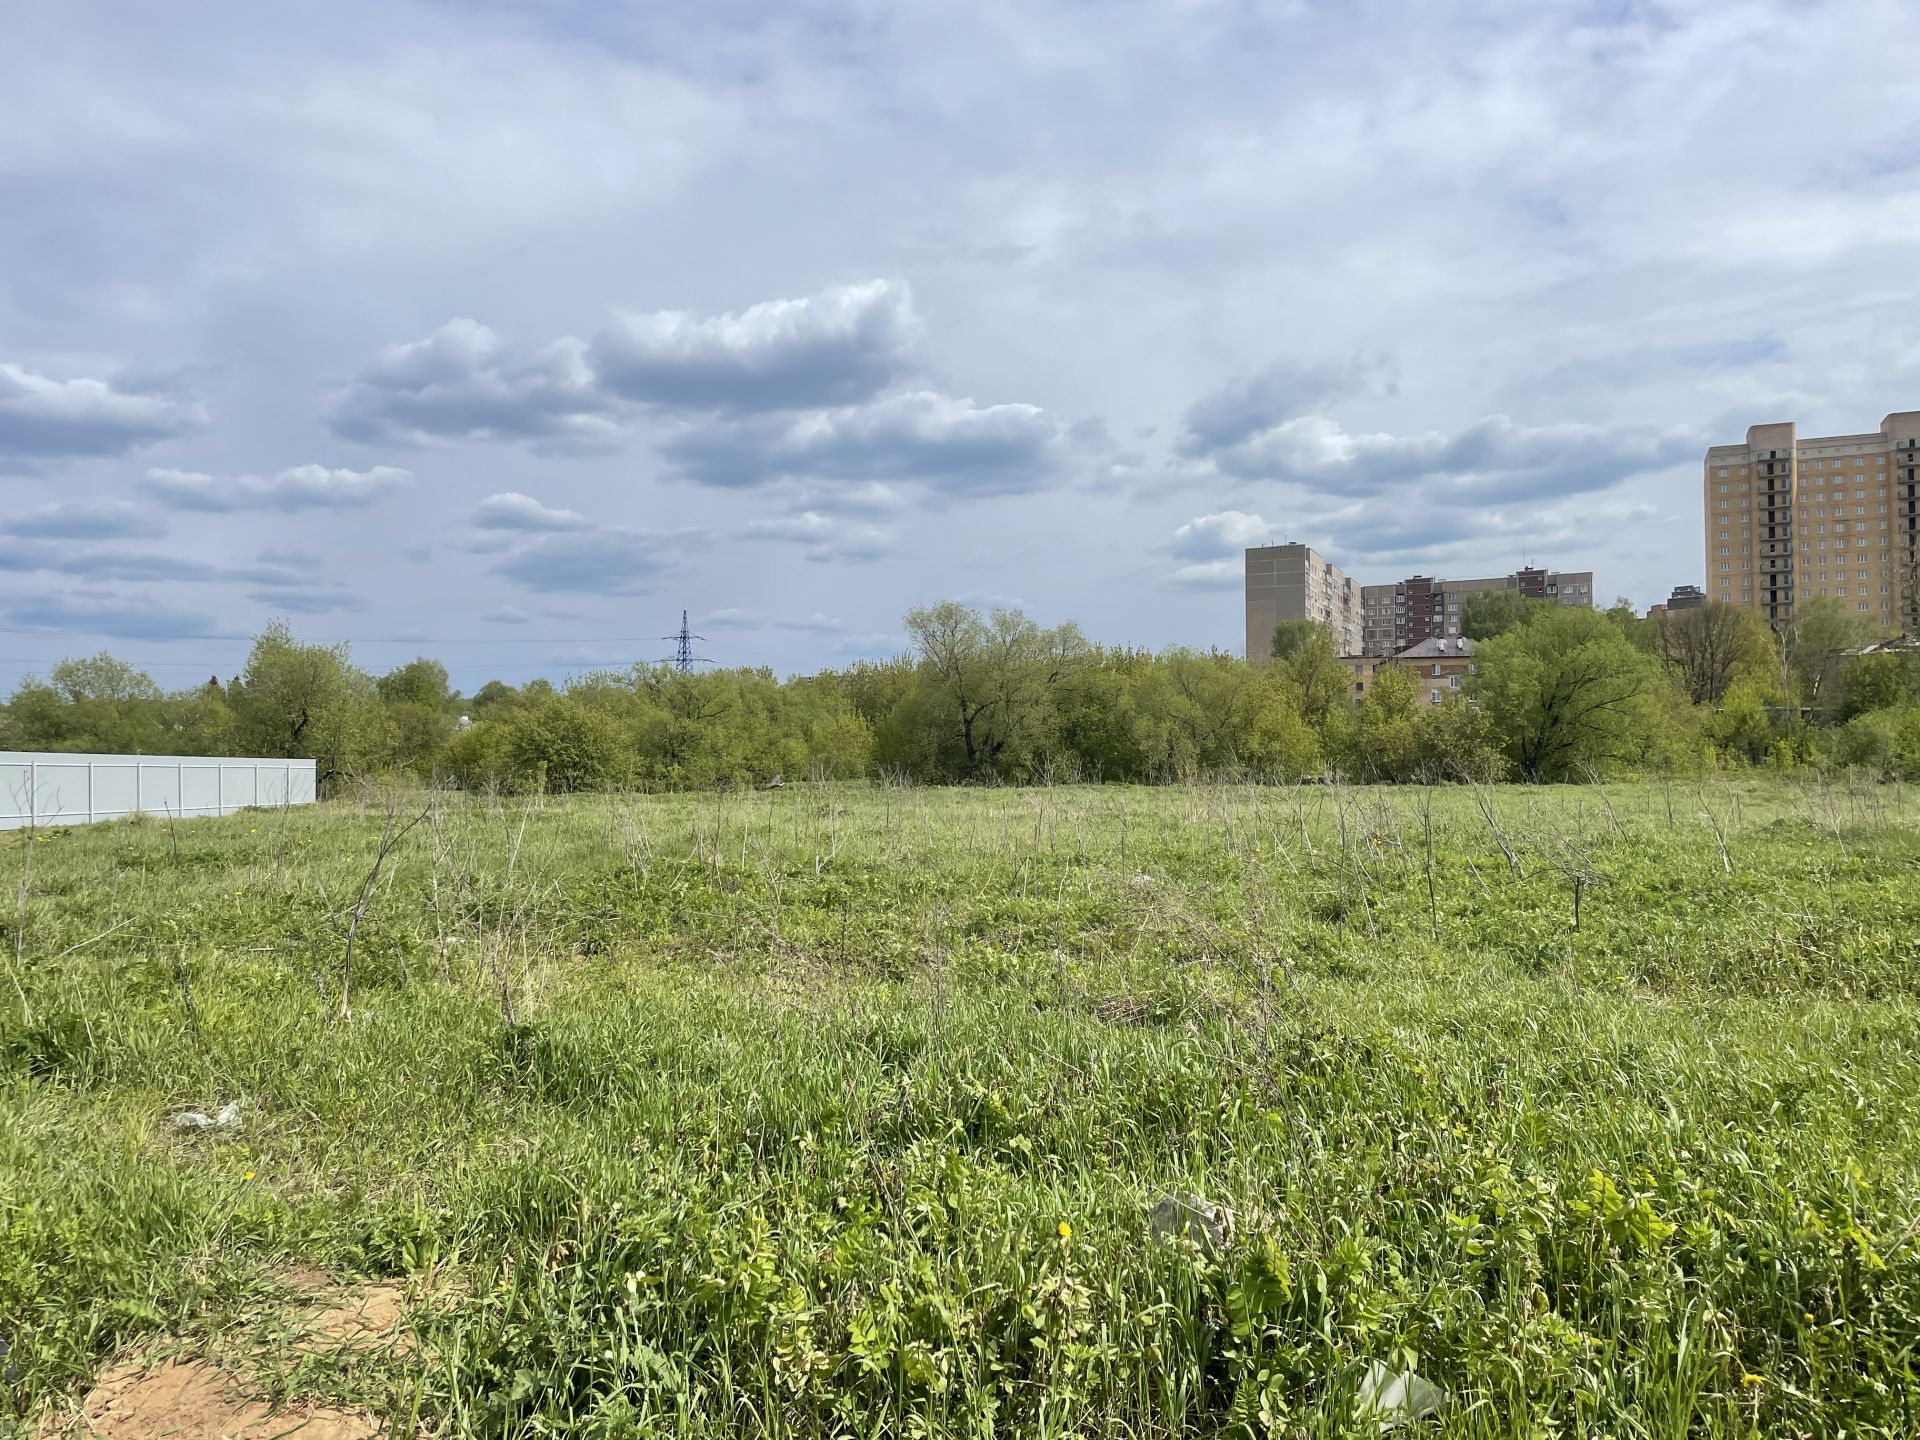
(249, 1175)
(1066, 1231)
(1807, 1317)
(1752, 1381)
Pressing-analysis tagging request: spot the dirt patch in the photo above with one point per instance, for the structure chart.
(369, 1316)
(190, 1400)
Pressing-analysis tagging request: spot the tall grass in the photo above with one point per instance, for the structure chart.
(843, 1110)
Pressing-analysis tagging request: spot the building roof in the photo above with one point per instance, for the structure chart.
(1440, 647)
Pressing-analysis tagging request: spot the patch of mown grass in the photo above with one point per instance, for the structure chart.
(843, 1111)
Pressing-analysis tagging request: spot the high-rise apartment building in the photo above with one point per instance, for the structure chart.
(1422, 608)
(1836, 517)
(1296, 582)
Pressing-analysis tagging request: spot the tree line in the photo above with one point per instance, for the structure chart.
(1556, 694)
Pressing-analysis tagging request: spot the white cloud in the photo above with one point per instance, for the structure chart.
(514, 511)
(814, 624)
(841, 345)
(301, 487)
(1225, 534)
(825, 538)
(46, 419)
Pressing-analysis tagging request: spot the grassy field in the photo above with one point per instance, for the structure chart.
(843, 1110)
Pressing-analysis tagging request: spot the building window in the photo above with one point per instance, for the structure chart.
(1433, 697)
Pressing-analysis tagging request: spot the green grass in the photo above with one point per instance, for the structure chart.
(841, 1110)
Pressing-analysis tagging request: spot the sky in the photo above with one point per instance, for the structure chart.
(506, 330)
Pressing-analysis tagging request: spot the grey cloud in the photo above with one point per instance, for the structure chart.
(514, 511)
(1210, 537)
(951, 445)
(463, 382)
(42, 418)
(506, 615)
(26, 556)
(308, 599)
(1281, 392)
(825, 538)
(599, 562)
(87, 520)
(839, 346)
(128, 618)
(1492, 461)
(302, 487)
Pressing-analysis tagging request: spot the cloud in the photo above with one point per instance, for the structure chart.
(86, 520)
(814, 624)
(1495, 460)
(506, 615)
(1283, 391)
(731, 618)
(32, 555)
(824, 538)
(463, 382)
(514, 511)
(1207, 537)
(308, 599)
(952, 446)
(837, 347)
(302, 487)
(1210, 575)
(611, 561)
(880, 644)
(44, 419)
(117, 617)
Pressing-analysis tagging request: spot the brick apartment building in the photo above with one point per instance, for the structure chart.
(1835, 517)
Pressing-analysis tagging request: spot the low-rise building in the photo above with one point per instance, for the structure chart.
(1439, 665)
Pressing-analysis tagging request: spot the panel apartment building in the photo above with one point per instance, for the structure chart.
(1421, 608)
(1296, 582)
(1836, 517)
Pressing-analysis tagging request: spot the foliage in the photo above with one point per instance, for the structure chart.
(1490, 613)
(998, 699)
(1568, 694)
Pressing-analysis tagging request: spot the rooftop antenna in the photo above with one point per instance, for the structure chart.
(683, 658)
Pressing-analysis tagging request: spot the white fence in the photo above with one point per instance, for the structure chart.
(55, 789)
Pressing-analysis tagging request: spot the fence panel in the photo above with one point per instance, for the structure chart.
(48, 788)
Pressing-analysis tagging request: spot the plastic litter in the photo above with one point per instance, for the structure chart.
(1395, 1396)
(1189, 1217)
(226, 1119)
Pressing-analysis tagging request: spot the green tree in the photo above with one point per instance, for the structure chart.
(1488, 613)
(1879, 682)
(994, 680)
(1292, 636)
(418, 682)
(1282, 745)
(1321, 684)
(306, 701)
(1383, 744)
(1813, 646)
(562, 746)
(1706, 649)
(1567, 694)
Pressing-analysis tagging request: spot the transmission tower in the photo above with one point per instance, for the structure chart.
(683, 659)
